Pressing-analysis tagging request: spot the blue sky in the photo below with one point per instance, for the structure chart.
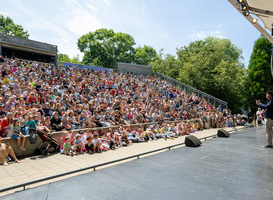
(161, 24)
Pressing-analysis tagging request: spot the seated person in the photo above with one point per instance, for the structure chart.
(68, 148)
(16, 133)
(97, 143)
(56, 122)
(31, 122)
(117, 141)
(229, 122)
(6, 150)
(124, 137)
(89, 146)
(78, 143)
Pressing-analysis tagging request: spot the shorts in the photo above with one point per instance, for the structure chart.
(15, 136)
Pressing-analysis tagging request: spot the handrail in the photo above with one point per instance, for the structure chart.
(102, 164)
(192, 88)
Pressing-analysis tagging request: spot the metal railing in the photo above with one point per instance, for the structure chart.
(210, 99)
(105, 163)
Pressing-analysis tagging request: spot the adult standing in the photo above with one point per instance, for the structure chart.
(259, 116)
(268, 116)
(250, 116)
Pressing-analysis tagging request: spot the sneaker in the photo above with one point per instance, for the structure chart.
(81, 152)
(150, 139)
(267, 146)
(22, 148)
(155, 138)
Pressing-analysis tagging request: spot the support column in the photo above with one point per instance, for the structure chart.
(56, 59)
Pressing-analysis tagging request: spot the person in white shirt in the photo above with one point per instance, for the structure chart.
(258, 115)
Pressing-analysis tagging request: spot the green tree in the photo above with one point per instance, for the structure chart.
(214, 66)
(63, 58)
(144, 55)
(167, 65)
(76, 59)
(103, 46)
(9, 27)
(259, 78)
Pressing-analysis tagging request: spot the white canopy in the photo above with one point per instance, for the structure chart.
(263, 9)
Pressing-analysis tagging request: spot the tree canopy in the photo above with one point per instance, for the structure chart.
(212, 65)
(65, 58)
(259, 78)
(9, 27)
(104, 47)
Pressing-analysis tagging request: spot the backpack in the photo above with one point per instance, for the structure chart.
(32, 136)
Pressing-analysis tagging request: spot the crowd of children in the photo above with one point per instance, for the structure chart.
(97, 142)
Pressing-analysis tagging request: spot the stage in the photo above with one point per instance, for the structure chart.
(222, 168)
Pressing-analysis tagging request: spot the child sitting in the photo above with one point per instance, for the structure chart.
(16, 134)
(78, 144)
(97, 143)
(70, 134)
(109, 141)
(89, 146)
(68, 148)
(47, 122)
(31, 122)
(124, 139)
(117, 141)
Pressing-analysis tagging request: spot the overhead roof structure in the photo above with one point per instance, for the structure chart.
(253, 10)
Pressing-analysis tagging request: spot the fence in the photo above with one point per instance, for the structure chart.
(210, 99)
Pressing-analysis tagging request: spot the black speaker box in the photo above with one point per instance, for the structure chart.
(222, 133)
(192, 141)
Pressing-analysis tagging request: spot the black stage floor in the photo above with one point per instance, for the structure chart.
(222, 168)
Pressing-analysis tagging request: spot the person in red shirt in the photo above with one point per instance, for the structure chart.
(113, 92)
(31, 98)
(6, 124)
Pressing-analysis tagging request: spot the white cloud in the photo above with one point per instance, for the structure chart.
(106, 2)
(91, 7)
(143, 9)
(200, 35)
(80, 20)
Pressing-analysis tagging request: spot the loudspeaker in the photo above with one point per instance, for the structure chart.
(222, 133)
(192, 141)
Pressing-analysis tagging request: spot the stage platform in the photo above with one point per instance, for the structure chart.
(222, 168)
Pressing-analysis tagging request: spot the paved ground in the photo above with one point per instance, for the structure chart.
(38, 167)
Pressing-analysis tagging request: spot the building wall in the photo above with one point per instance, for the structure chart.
(134, 68)
(27, 43)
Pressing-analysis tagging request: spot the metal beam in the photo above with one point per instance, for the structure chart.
(249, 18)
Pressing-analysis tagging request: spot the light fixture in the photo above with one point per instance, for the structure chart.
(246, 13)
(254, 20)
(239, 1)
(243, 6)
